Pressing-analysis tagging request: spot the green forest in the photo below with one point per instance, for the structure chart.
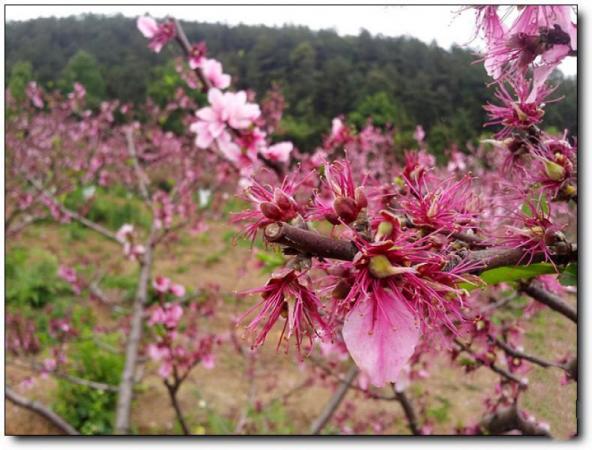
(399, 81)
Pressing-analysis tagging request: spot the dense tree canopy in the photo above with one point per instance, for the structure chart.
(399, 80)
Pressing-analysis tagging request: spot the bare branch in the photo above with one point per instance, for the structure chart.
(42, 410)
(509, 419)
(551, 300)
(408, 410)
(140, 174)
(334, 402)
(126, 386)
(309, 242)
(73, 214)
(518, 354)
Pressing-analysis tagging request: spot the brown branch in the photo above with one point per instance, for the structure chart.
(408, 410)
(140, 174)
(508, 419)
(126, 386)
(73, 214)
(521, 355)
(172, 390)
(70, 378)
(492, 366)
(334, 402)
(309, 242)
(42, 410)
(551, 300)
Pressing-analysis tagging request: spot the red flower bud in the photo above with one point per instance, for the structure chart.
(270, 210)
(346, 209)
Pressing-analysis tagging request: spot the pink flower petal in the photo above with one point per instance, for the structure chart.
(147, 26)
(381, 334)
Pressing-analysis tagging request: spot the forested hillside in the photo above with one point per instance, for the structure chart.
(396, 80)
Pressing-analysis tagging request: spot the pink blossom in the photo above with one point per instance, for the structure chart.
(228, 109)
(124, 232)
(286, 296)
(212, 70)
(278, 152)
(35, 94)
(161, 284)
(419, 134)
(197, 55)
(159, 35)
(177, 290)
(208, 361)
(167, 315)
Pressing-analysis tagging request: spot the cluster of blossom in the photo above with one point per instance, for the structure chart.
(178, 344)
(230, 123)
(402, 286)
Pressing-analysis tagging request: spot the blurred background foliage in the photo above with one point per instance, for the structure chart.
(321, 74)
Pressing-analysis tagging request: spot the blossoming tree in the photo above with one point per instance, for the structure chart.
(390, 259)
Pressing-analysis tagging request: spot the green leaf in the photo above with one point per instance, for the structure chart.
(569, 277)
(508, 274)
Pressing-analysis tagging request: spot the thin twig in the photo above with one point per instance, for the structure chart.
(408, 410)
(42, 410)
(73, 214)
(334, 402)
(140, 174)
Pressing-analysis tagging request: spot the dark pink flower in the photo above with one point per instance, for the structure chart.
(159, 35)
(285, 296)
(197, 55)
(450, 206)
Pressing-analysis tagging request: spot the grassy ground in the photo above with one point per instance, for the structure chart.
(214, 399)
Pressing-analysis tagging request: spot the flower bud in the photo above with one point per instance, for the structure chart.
(554, 171)
(270, 210)
(283, 201)
(361, 200)
(346, 209)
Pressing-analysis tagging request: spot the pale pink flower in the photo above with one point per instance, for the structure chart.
(124, 232)
(177, 290)
(279, 152)
(208, 361)
(228, 109)
(161, 284)
(419, 134)
(212, 70)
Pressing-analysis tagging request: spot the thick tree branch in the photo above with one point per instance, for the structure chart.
(334, 402)
(551, 300)
(42, 410)
(126, 386)
(309, 242)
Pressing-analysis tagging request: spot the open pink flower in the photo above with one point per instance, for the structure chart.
(212, 70)
(159, 35)
(161, 284)
(168, 315)
(225, 110)
(278, 152)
